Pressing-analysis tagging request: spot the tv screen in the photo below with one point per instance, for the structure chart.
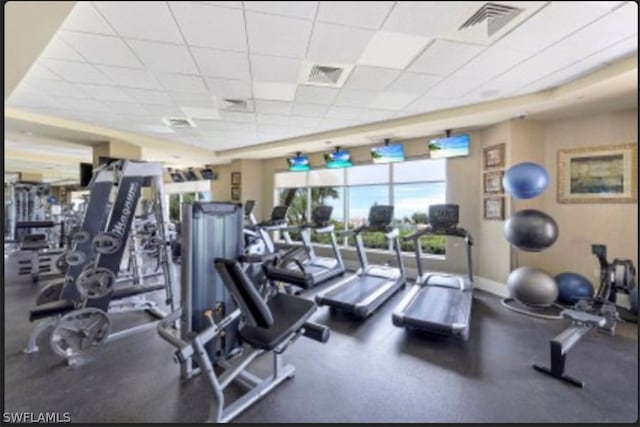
(190, 175)
(209, 174)
(338, 159)
(298, 163)
(387, 153)
(176, 176)
(86, 173)
(453, 146)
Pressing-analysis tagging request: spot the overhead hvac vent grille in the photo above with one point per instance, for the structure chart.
(496, 16)
(179, 122)
(234, 105)
(327, 75)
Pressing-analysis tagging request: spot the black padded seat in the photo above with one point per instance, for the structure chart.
(268, 323)
(289, 314)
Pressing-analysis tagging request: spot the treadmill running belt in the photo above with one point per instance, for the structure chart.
(357, 290)
(439, 306)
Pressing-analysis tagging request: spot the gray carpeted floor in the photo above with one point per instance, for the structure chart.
(369, 371)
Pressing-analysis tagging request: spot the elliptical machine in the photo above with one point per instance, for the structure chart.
(599, 312)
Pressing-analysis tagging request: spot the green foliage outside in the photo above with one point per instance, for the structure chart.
(320, 195)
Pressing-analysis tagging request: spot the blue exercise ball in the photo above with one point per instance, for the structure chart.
(573, 287)
(525, 180)
(531, 230)
(532, 286)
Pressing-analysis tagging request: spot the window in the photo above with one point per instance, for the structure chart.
(174, 207)
(411, 186)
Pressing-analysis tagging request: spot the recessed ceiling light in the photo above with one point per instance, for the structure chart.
(392, 50)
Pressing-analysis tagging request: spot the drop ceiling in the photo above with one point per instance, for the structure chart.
(239, 70)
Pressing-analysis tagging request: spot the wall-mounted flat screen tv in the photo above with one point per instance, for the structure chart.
(452, 146)
(338, 159)
(208, 174)
(86, 173)
(387, 153)
(299, 163)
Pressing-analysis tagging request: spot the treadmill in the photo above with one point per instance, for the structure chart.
(439, 303)
(362, 293)
(313, 270)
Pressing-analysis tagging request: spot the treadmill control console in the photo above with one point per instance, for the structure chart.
(321, 215)
(380, 216)
(444, 216)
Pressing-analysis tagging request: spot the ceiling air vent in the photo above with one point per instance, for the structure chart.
(234, 105)
(328, 75)
(178, 122)
(495, 15)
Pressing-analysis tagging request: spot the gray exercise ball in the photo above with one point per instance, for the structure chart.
(531, 230)
(633, 299)
(532, 286)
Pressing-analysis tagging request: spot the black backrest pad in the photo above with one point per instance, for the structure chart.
(279, 213)
(321, 215)
(248, 207)
(380, 216)
(247, 297)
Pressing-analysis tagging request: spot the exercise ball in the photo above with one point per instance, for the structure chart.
(633, 300)
(573, 287)
(532, 286)
(531, 230)
(525, 180)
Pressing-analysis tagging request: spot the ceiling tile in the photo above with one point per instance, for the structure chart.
(490, 63)
(181, 83)
(202, 100)
(37, 71)
(374, 115)
(274, 90)
(126, 108)
(273, 107)
(57, 88)
(354, 98)
(304, 122)
(163, 110)
(221, 63)
(367, 14)
(58, 49)
(106, 93)
(444, 57)
(201, 113)
(309, 110)
(82, 105)
(31, 100)
(316, 95)
(277, 35)
(429, 18)
(337, 43)
(227, 88)
(331, 123)
(155, 56)
(274, 69)
(272, 119)
(426, 103)
(233, 4)
(157, 23)
(130, 78)
(453, 87)
(238, 117)
(343, 113)
(207, 126)
(75, 71)
(370, 78)
(150, 96)
(101, 49)
(293, 9)
(210, 26)
(392, 50)
(554, 22)
(392, 100)
(413, 83)
(84, 17)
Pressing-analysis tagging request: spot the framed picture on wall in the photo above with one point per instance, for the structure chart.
(235, 178)
(494, 208)
(235, 193)
(602, 174)
(494, 156)
(493, 182)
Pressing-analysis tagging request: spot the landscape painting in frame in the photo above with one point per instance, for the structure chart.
(605, 174)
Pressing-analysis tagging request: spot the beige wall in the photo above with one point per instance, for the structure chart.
(116, 149)
(615, 225)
